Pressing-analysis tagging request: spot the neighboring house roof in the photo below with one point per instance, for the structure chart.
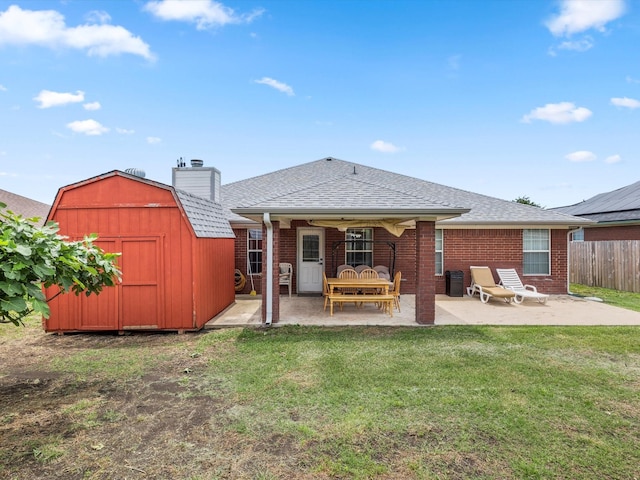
(25, 206)
(207, 218)
(621, 205)
(333, 188)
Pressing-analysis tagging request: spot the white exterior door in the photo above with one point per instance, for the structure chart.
(310, 259)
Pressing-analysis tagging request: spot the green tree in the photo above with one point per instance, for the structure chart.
(33, 257)
(527, 201)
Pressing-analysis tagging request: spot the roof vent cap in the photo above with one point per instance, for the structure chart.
(136, 171)
(196, 163)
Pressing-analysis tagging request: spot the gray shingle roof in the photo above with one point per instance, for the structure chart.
(622, 204)
(208, 219)
(25, 206)
(334, 184)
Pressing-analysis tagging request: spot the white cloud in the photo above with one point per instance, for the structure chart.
(282, 87)
(47, 28)
(582, 45)
(204, 13)
(632, 80)
(581, 15)
(88, 127)
(153, 140)
(613, 159)
(98, 16)
(49, 99)
(124, 131)
(92, 106)
(625, 102)
(385, 147)
(3, 88)
(581, 156)
(563, 112)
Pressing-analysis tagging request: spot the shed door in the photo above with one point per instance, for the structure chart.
(141, 288)
(310, 259)
(100, 312)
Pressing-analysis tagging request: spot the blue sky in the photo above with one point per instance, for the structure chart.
(505, 98)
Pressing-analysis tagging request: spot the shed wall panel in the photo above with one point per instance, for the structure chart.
(214, 269)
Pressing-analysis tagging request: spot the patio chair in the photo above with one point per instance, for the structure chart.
(348, 273)
(483, 283)
(360, 268)
(396, 290)
(286, 275)
(509, 279)
(325, 292)
(369, 273)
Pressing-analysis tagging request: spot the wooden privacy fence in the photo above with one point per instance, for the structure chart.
(612, 264)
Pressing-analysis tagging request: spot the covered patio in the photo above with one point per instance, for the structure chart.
(308, 311)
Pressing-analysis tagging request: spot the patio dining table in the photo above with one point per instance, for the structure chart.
(378, 286)
(359, 283)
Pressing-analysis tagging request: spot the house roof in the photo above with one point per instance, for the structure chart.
(207, 218)
(621, 205)
(25, 206)
(333, 188)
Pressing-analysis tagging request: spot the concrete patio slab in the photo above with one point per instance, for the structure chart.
(559, 310)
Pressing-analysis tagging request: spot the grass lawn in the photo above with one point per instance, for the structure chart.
(300, 402)
(628, 300)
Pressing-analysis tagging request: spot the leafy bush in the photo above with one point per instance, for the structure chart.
(33, 257)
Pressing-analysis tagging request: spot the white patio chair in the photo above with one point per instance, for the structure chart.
(286, 275)
(509, 279)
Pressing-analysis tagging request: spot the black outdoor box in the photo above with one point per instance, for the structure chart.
(454, 281)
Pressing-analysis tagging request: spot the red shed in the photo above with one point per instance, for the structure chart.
(177, 255)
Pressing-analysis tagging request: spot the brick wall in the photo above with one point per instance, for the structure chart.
(630, 232)
(501, 248)
(241, 261)
(496, 248)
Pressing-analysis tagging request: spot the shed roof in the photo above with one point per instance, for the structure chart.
(24, 206)
(622, 204)
(207, 218)
(334, 187)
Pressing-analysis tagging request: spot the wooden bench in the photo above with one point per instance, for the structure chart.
(340, 298)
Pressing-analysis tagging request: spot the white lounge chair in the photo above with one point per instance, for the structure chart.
(509, 279)
(483, 283)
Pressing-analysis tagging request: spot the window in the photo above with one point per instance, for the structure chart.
(536, 252)
(254, 251)
(359, 247)
(577, 236)
(439, 253)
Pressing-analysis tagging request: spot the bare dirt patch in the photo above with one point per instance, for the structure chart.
(160, 424)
